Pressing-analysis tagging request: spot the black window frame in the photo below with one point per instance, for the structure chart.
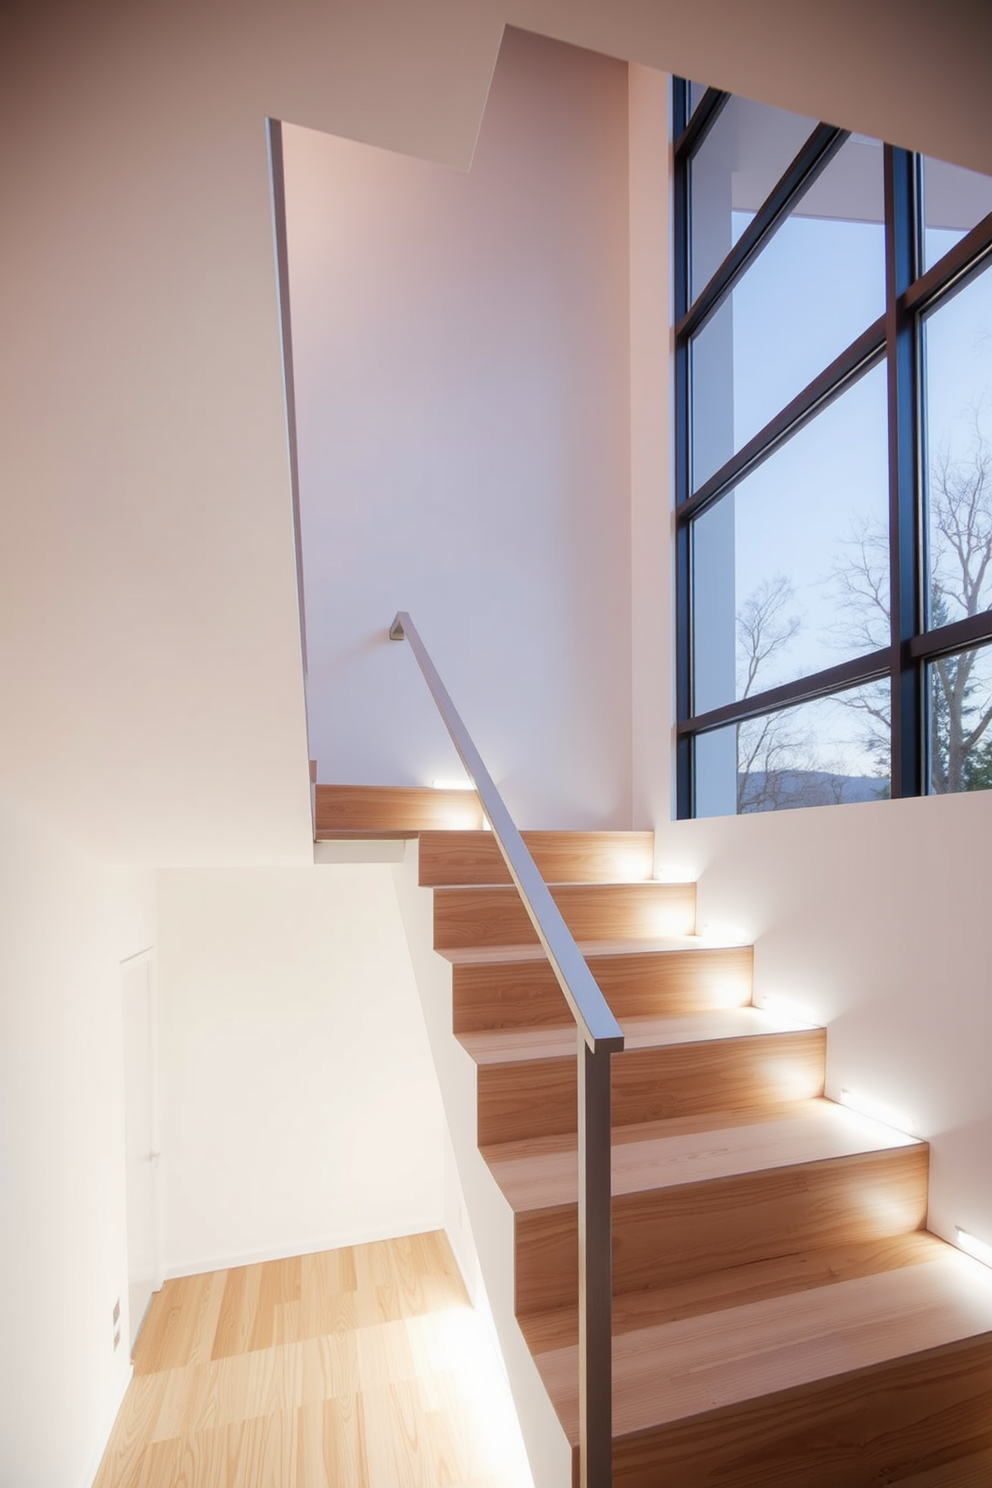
(894, 340)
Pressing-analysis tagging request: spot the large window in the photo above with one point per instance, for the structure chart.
(833, 302)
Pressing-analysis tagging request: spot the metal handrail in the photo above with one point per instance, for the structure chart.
(598, 1036)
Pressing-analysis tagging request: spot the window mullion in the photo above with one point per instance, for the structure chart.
(683, 690)
(905, 500)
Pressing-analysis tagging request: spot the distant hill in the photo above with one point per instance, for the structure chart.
(780, 789)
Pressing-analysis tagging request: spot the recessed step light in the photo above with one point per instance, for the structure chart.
(980, 1249)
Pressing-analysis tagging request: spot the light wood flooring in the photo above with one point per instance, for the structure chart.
(356, 1368)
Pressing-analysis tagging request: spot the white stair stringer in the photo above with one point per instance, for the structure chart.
(478, 1219)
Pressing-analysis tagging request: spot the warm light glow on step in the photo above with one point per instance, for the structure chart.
(722, 935)
(463, 784)
(876, 1110)
(789, 1011)
(975, 1247)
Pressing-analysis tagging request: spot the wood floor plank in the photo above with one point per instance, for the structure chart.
(329, 1367)
(397, 1446)
(133, 1430)
(292, 1411)
(280, 1282)
(181, 1323)
(238, 1310)
(331, 1447)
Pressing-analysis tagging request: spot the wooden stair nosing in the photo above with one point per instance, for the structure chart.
(665, 980)
(662, 1237)
(388, 810)
(735, 1285)
(891, 1350)
(492, 916)
(541, 1173)
(453, 857)
(652, 1080)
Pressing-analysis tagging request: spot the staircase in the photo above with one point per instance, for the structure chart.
(781, 1316)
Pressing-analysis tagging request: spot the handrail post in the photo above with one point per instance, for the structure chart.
(595, 1269)
(599, 1035)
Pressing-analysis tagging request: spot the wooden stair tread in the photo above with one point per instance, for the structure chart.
(632, 946)
(737, 1285)
(542, 1173)
(513, 1045)
(966, 1472)
(473, 915)
(473, 857)
(677, 1370)
(392, 810)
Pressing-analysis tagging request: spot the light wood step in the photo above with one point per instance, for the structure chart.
(862, 1382)
(735, 1059)
(513, 986)
(348, 811)
(700, 1194)
(562, 857)
(479, 917)
(965, 1472)
(736, 1286)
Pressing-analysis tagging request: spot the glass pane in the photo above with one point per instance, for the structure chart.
(958, 353)
(954, 201)
(790, 570)
(832, 751)
(960, 690)
(742, 157)
(814, 288)
(696, 91)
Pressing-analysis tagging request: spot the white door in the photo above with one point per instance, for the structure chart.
(140, 1134)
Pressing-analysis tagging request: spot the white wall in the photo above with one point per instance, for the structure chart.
(65, 925)
(461, 351)
(301, 1109)
(875, 919)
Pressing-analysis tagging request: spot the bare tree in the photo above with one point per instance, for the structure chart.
(960, 585)
(768, 748)
(764, 629)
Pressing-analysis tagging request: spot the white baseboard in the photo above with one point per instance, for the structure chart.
(196, 1266)
(104, 1438)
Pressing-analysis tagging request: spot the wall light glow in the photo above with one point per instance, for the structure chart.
(980, 1249)
(789, 1011)
(723, 935)
(666, 873)
(461, 785)
(876, 1110)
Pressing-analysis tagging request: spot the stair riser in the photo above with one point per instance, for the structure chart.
(525, 994)
(392, 811)
(593, 912)
(666, 1236)
(538, 1098)
(561, 857)
(879, 1425)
